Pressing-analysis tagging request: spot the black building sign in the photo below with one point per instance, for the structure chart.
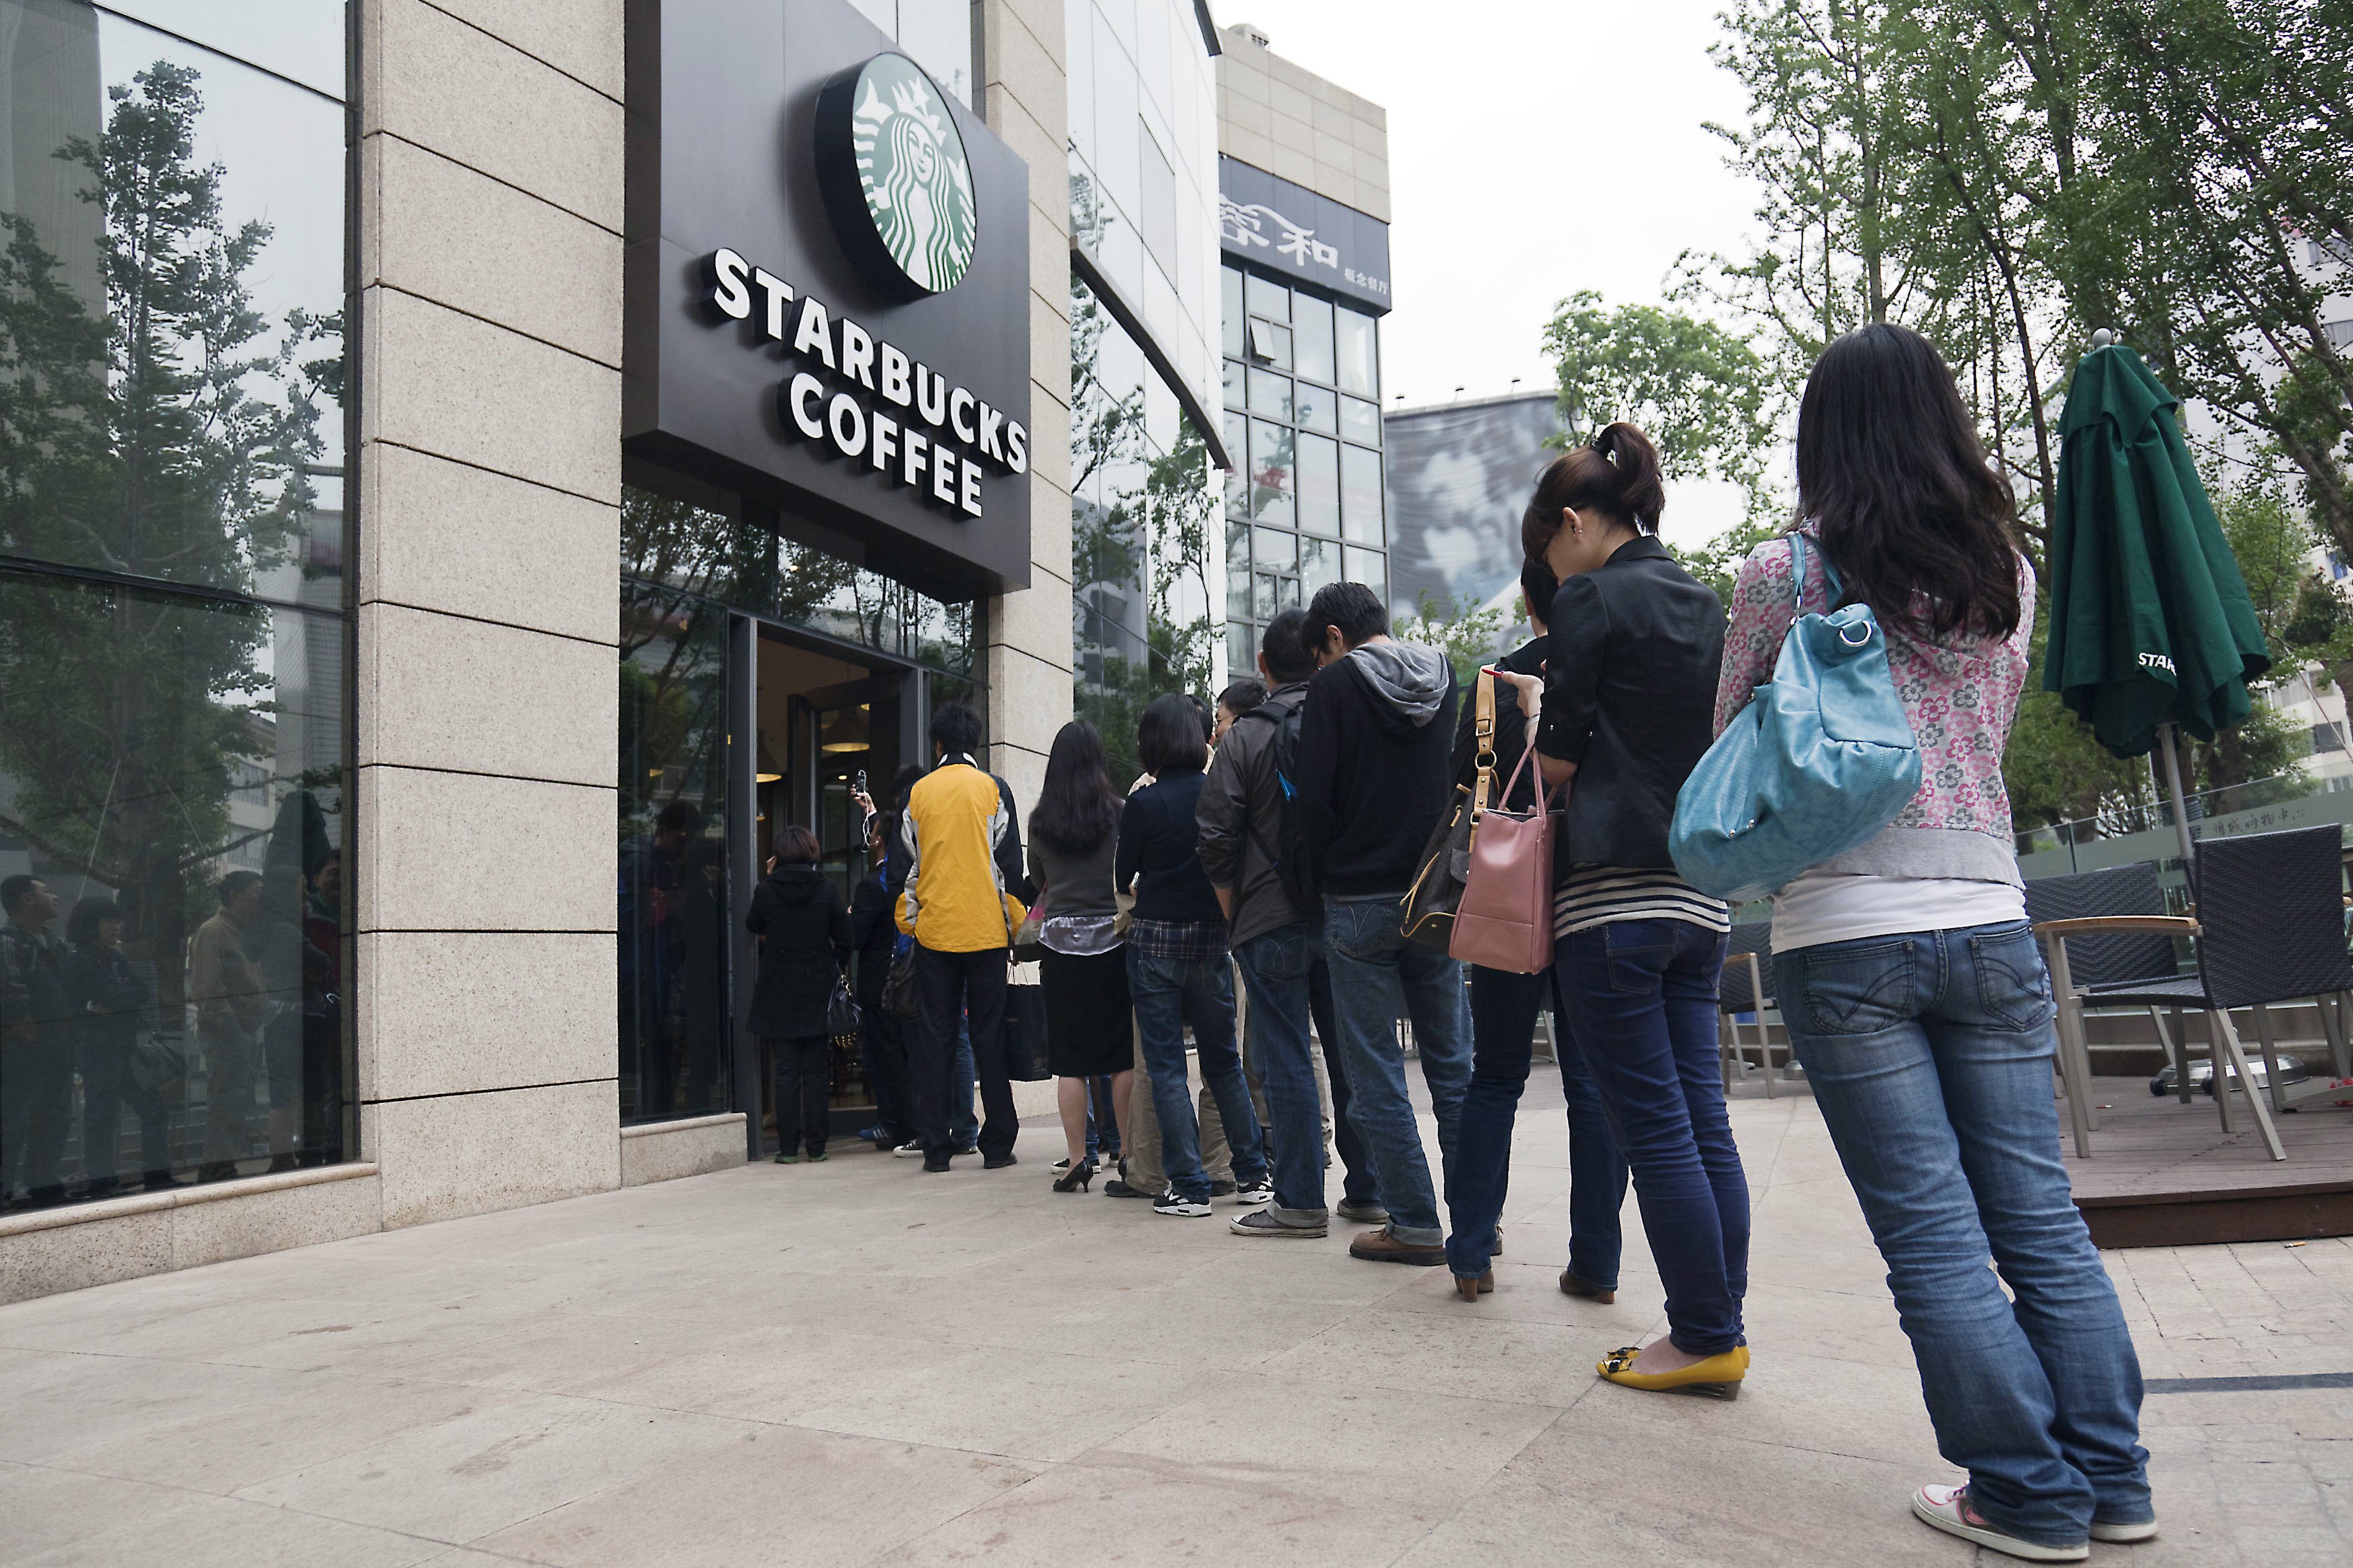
(1271, 224)
(827, 289)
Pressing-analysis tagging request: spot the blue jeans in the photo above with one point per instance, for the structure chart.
(1640, 997)
(1275, 966)
(1502, 1034)
(1377, 976)
(1930, 1056)
(1168, 994)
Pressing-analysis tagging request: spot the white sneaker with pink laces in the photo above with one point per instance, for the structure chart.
(1947, 1509)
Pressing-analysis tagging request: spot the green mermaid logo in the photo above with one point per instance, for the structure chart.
(912, 172)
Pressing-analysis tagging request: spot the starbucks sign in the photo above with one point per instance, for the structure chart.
(896, 182)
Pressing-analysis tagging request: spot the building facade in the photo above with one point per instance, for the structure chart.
(1303, 228)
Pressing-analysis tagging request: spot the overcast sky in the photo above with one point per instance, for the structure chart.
(1537, 147)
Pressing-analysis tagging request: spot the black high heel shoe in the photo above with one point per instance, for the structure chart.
(1076, 1178)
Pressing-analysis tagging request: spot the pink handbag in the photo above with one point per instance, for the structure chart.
(1504, 920)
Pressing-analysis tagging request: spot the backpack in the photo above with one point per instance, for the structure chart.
(1290, 834)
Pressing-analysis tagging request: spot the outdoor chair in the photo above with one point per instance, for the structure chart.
(2133, 954)
(1747, 987)
(2269, 928)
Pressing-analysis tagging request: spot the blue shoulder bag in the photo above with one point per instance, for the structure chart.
(1820, 761)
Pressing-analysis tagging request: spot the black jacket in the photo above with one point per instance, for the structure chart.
(1241, 818)
(108, 996)
(1372, 783)
(873, 932)
(1511, 733)
(798, 911)
(1630, 696)
(1159, 836)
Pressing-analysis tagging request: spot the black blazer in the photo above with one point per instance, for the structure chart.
(798, 911)
(1630, 696)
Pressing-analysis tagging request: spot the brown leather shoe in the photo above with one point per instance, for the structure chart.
(1470, 1288)
(1571, 1284)
(1381, 1246)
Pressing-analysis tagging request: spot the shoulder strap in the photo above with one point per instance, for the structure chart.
(1483, 727)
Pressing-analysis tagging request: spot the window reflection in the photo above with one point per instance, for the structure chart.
(173, 775)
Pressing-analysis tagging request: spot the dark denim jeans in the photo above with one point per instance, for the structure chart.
(1502, 1034)
(1168, 994)
(1930, 1056)
(1274, 966)
(1640, 997)
(1358, 1184)
(1378, 976)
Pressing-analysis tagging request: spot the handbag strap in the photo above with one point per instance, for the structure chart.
(1484, 726)
(1544, 796)
(1836, 589)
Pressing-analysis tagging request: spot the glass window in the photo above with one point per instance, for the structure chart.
(174, 773)
(1233, 383)
(1238, 476)
(1360, 496)
(1369, 567)
(1238, 594)
(938, 34)
(1319, 484)
(1271, 472)
(1311, 323)
(1319, 562)
(1269, 395)
(1230, 280)
(175, 387)
(1242, 645)
(1272, 550)
(1269, 298)
(1314, 405)
(672, 850)
(1269, 343)
(1267, 601)
(1359, 356)
(1158, 198)
(1360, 420)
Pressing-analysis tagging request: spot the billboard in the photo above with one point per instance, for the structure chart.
(1459, 477)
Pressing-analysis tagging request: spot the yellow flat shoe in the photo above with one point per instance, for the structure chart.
(1717, 1377)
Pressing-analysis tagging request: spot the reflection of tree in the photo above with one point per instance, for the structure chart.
(167, 440)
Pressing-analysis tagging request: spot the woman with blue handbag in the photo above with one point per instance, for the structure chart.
(1629, 681)
(1914, 990)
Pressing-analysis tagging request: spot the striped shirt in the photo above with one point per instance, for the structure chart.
(1605, 895)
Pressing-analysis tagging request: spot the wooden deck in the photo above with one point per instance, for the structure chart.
(2163, 1174)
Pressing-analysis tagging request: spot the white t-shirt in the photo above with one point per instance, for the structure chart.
(1819, 908)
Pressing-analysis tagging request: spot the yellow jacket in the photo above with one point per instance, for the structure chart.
(963, 851)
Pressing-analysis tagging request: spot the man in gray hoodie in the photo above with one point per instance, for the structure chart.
(1375, 773)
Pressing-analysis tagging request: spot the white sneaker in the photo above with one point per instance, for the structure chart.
(1174, 1203)
(2124, 1534)
(1946, 1508)
(1259, 1192)
(913, 1148)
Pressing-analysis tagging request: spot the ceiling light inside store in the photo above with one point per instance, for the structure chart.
(845, 730)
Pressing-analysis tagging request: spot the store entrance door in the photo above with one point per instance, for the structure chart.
(821, 716)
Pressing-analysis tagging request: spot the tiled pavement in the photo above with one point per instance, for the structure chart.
(857, 1362)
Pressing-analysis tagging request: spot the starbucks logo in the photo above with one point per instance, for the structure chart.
(896, 183)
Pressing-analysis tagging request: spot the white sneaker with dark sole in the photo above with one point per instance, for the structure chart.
(1176, 1204)
(1947, 1509)
(2124, 1534)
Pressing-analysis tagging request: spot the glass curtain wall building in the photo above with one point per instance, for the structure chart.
(1303, 388)
(175, 734)
(1145, 553)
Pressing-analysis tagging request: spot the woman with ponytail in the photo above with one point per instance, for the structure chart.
(1627, 690)
(1914, 989)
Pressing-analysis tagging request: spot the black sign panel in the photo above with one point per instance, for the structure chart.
(1272, 223)
(768, 357)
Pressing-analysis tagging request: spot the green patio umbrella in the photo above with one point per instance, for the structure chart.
(2150, 622)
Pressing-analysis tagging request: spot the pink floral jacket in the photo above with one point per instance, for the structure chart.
(1960, 696)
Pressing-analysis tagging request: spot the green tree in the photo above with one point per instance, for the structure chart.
(1468, 634)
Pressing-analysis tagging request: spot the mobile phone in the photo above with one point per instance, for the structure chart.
(861, 780)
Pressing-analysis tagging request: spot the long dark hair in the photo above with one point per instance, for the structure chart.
(1890, 466)
(1617, 472)
(1077, 807)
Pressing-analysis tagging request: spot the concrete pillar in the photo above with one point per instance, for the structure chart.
(489, 306)
(1024, 77)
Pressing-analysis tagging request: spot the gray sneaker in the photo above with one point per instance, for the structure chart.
(1259, 1222)
(1362, 1214)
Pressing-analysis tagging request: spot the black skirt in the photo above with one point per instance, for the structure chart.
(1088, 1031)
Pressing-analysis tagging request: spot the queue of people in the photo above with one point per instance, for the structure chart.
(1274, 844)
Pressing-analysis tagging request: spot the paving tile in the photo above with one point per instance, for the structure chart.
(827, 1499)
(1022, 1404)
(511, 1457)
(191, 1530)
